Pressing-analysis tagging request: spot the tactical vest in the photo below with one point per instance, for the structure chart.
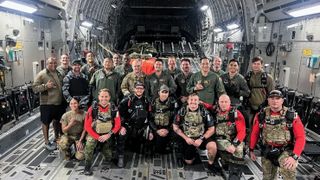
(103, 121)
(78, 87)
(226, 126)
(137, 109)
(162, 113)
(264, 79)
(193, 125)
(276, 129)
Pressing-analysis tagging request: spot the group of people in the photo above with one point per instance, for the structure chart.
(120, 107)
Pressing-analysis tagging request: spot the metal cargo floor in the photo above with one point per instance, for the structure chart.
(29, 160)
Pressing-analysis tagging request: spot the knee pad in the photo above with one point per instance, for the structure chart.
(79, 155)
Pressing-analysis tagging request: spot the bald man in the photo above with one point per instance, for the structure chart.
(230, 133)
(49, 84)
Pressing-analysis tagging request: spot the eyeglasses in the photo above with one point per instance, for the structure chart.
(165, 91)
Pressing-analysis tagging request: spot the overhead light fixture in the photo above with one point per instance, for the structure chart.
(204, 7)
(86, 24)
(28, 20)
(18, 6)
(232, 26)
(293, 25)
(217, 30)
(305, 11)
(114, 6)
(100, 28)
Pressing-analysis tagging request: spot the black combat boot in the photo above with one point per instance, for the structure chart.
(120, 161)
(235, 171)
(180, 162)
(87, 170)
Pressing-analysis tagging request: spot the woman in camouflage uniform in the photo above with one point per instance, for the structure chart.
(73, 132)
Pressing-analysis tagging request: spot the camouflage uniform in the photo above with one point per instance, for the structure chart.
(277, 131)
(127, 85)
(76, 86)
(235, 87)
(69, 138)
(153, 83)
(100, 121)
(110, 80)
(162, 115)
(193, 124)
(230, 130)
(212, 84)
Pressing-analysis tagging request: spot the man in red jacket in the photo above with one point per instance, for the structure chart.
(102, 121)
(230, 133)
(282, 138)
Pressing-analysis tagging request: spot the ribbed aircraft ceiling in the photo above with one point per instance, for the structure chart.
(154, 16)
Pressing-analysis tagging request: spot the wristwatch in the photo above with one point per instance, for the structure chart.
(236, 142)
(110, 133)
(294, 156)
(201, 137)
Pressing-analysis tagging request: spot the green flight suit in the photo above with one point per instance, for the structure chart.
(110, 80)
(212, 84)
(153, 83)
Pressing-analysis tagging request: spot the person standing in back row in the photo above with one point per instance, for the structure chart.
(48, 83)
(205, 83)
(260, 84)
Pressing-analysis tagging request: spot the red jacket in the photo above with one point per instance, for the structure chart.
(88, 122)
(298, 132)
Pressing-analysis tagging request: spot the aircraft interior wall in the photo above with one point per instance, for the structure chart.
(289, 53)
(33, 44)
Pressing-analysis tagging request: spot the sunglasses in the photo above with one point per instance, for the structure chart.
(165, 91)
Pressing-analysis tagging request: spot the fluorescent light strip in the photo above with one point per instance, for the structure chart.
(204, 7)
(18, 6)
(100, 28)
(29, 20)
(217, 30)
(305, 11)
(232, 26)
(86, 24)
(293, 25)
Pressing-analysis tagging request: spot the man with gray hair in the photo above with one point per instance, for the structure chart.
(216, 66)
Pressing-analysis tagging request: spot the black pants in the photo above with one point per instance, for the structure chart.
(161, 143)
(133, 139)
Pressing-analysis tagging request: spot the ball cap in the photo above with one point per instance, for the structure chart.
(275, 93)
(164, 88)
(77, 61)
(138, 83)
